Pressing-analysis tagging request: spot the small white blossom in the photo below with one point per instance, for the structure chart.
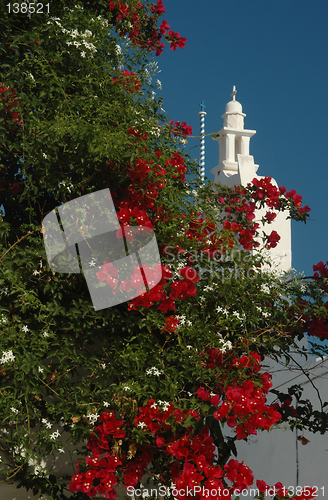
(40, 369)
(4, 290)
(69, 43)
(55, 435)
(189, 347)
(45, 334)
(189, 394)
(154, 405)
(36, 272)
(118, 50)
(7, 356)
(44, 155)
(226, 345)
(126, 388)
(142, 425)
(189, 323)
(87, 33)
(265, 288)
(236, 313)
(182, 319)
(82, 53)
(14, 410)
(93, 417)
(208, 288)
(25, 328)
(61, 450)
(77, 44)
(92, 263)
(159, 84)
(153, 371)
(105, 403)
(202, 298)
(74, 33)
(31, 76)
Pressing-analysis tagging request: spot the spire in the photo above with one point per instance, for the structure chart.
(234, 141)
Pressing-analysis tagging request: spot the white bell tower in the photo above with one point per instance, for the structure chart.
(236, 167)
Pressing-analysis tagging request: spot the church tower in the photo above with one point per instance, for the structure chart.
(236, 167)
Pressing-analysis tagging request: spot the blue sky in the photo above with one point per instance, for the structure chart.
(276, 53)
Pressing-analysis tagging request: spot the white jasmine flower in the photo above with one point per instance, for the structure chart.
(92, 263)
(4, 290)
(208, 289)
(82, 53)
(236, 313)
(226, 345)
(189, 394)
(44, 155)
(87, 33)
(202, 298)
(61, 450)
(159, 84)
(69, 43)
(153, 371)
(189, 323)
(126, 388)
(118, 50)
(74, 33)
(265, 288)
(77, 44)
(93, 417)
(189, 347)
(55, 435)
(7, 356)
(14, 410)
(25, 328)
(154, 405)
(105, 403)
(142, 425)
(45, 334)
(40, 369)
(36, 272)
(182, 319)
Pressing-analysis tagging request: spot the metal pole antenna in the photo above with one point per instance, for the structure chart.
(202, 115)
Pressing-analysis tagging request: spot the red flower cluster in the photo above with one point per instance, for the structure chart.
(171, 324)
(180, 129)
(9, 97)
(128, 80)
(272, 239)
(180, 289)
(189, 456)
(320, 269)
(242, 404)
(135, 20)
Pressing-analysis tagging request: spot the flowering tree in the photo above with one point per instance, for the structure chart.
(152, 384)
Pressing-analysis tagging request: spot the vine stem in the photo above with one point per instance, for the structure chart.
(18, 241)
